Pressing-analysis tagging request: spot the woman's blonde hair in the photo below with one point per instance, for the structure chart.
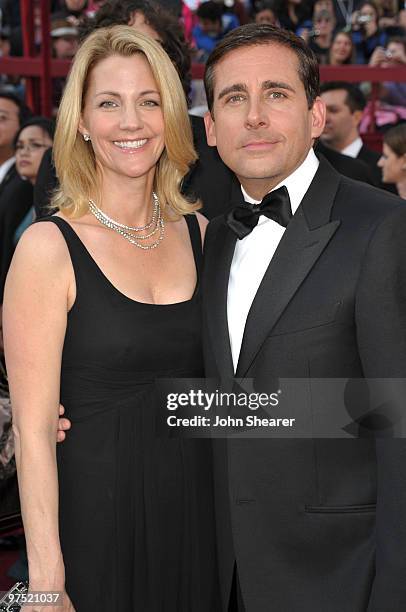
(74, 158)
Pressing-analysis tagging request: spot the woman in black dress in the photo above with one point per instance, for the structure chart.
(103, 298)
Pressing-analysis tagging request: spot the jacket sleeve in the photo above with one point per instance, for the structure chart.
(381, 332)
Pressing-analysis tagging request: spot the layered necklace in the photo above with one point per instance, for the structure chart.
(132, 234)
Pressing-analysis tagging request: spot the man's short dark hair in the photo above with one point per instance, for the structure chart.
(252, 35)
(354, 99)
(210, 10)
(166, 25)
(24, 112)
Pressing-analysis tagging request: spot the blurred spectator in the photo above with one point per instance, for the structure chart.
(15, 194)
(75, 11)
(151, 19)
(320, 37)
(9, 82)
(237, 8)
(213, 24)
(345, 104)
(393, 160)
(341, 50)
(4, 41)
(366, 32)
(65, 43)
(266, 12)
(32, 139)
(389, 15)
(64, 39)
(294, 13)
(344, 11)
(394, 55)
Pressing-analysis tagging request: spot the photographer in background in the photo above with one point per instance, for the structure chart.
(366, 32)
(320, 37)
(393, 55)
(213, 24)
(266, 12)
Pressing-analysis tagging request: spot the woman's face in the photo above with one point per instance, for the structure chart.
(393, 166)
(369, 12)
(123, 116)
(341, 49)
(324, 23)
(30, 147)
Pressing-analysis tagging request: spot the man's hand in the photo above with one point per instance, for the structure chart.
(64, 424)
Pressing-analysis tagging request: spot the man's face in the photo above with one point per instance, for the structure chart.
(9, 123)
(65, 47)
(340, 121)
(209, 27)
(261, 123)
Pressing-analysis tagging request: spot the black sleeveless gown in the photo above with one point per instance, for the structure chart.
(136, 510)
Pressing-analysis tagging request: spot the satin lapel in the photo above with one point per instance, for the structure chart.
(303, 242)
(216, 286)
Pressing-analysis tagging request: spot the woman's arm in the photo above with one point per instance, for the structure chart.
(34, 319)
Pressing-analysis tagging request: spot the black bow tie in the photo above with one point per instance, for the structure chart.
(275, 205)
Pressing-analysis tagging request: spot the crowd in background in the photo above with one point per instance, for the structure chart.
(340, 32)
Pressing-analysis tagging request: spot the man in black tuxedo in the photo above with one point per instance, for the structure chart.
(311, 283)
(345, 104)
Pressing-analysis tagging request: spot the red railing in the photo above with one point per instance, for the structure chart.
(39, 69)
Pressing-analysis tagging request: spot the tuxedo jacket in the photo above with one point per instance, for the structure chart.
(315, 525)
(344, 164)
(15, 202)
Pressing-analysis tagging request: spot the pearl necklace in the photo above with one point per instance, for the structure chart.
(157, 223)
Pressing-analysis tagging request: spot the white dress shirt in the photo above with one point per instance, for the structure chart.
(253, 254)
(353, 149)
(5, 167)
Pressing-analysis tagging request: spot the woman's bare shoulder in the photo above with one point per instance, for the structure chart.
(42, 243)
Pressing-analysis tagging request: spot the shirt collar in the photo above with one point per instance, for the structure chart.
(5, 167)
(296, 183)
(353, 149)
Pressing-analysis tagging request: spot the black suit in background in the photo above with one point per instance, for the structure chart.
(15, 201)
(346, 165)
(315, 525)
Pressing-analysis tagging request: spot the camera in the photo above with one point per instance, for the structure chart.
(363, 19)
